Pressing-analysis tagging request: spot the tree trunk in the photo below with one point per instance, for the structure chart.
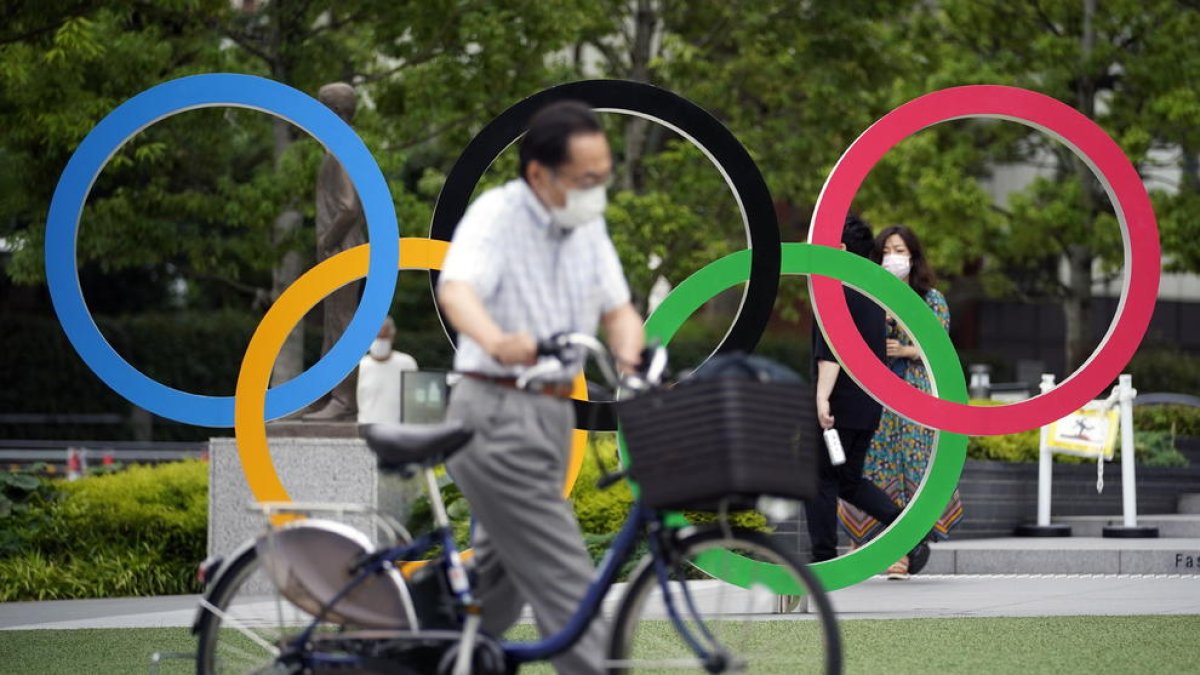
(645, 24)
(290, 362)
(1077, 306)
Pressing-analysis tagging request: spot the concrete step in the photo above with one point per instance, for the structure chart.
(1172, 526)
(1066, 555)
(1189, 503)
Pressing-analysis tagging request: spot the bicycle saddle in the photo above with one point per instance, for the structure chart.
(400, 446)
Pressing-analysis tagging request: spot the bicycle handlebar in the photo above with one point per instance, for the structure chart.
(559, 346)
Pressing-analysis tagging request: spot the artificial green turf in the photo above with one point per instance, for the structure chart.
(1137, 644)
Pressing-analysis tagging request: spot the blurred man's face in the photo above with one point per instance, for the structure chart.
(588, 165)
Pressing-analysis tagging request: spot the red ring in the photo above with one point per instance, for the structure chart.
(1138, 229)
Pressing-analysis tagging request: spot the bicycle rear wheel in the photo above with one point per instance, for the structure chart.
(737, 628)
(244, 624)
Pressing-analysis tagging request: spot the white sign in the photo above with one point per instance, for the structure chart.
(1088, 432)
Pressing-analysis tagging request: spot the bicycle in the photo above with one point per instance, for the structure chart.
(341, 606)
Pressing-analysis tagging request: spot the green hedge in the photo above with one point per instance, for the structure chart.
(1179, 420)
(140, 531)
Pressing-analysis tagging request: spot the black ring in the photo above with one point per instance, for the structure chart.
(663, 107)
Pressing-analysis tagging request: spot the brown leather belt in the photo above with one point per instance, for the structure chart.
(559, 389)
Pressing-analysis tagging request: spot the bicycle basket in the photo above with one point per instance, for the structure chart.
(722, 438)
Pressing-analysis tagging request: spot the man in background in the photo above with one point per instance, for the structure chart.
(380, 375)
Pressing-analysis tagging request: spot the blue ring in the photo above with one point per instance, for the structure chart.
(200, 91)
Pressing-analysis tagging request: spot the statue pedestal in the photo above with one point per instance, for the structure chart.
(316, 462)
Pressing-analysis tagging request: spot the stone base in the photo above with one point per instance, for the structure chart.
(340, 470)
(1074, 555)
(297, 429)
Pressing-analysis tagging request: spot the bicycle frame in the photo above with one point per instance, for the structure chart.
(641, 519)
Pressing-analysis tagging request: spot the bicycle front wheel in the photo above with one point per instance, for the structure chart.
(697, 623)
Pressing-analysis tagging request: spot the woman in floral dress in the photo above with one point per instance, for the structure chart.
(900, 449)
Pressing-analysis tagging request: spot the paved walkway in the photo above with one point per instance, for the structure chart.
(919, 597)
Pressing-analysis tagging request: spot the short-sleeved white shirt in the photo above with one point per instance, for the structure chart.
(378, 392)
(531, 275)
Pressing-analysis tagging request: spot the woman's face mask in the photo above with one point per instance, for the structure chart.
(898, 264)
(582, 207)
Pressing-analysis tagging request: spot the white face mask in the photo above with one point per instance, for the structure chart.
(381, 348)
(897, 264)
(583, 206)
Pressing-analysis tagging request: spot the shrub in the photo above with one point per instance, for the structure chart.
(600, 512)
(1180, 420)
(137, 532)
(1022, 447)
(1155, 448)
(22, 509)
(1165, 369)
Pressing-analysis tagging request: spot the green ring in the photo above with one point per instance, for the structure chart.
(949, 452)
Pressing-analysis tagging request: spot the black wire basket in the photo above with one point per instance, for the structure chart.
(721, 443)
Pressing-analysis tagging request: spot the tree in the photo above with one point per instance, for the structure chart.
(795, 82)
(1128, 66)
(219, 197)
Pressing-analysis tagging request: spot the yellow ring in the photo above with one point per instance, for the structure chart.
(250, 397)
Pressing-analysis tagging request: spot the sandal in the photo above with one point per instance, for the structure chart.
(898, 570)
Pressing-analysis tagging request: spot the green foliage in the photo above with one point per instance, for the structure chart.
(141, 531)
(17, 490)
(1022, 447)
(1179, 420)
(601, 512)
(1156, 449)
(23, 498)
(420, 518)
(1165, 370)
(105, 573)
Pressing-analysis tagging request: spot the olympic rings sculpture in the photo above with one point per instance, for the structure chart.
(760, 265)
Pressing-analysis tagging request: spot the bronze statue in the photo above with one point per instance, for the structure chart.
(339, 227)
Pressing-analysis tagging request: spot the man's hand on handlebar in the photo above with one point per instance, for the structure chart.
(629, 364)
(515, 349)
(647, 371)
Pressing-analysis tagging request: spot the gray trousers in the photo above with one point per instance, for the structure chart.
(528, 545)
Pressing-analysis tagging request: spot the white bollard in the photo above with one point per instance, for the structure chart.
(1128, 479)
(1045, 463)
(1129, 529)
